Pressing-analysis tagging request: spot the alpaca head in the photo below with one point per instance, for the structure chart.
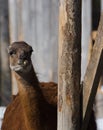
(20, 56)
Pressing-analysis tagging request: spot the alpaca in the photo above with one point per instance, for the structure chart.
(37, 112)
(35, 106)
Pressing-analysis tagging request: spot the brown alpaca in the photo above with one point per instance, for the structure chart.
(37, 112)
(35, 107)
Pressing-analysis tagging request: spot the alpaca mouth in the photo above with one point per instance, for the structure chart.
(21, 68)
(16, 68)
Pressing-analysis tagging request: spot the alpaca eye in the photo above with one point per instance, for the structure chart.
(12, 52)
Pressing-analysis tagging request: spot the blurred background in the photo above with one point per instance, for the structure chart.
(36, 22)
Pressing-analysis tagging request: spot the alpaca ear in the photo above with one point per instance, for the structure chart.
(31, 50)
(8, 49)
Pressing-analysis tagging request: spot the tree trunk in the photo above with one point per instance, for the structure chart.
(69, 65)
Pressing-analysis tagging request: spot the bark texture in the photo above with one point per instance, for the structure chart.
(69, 65)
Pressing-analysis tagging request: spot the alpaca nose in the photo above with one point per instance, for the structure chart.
(21, 58)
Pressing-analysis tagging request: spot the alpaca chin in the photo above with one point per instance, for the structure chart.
(19, 68)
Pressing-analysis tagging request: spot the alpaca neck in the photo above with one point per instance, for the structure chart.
(30, 96)
(27, 79)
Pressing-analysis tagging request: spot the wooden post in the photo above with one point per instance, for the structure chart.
(92, 76)
(5, 82)
(69, 65)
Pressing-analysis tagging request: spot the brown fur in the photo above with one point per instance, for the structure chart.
(14, 113)
(35, 107)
